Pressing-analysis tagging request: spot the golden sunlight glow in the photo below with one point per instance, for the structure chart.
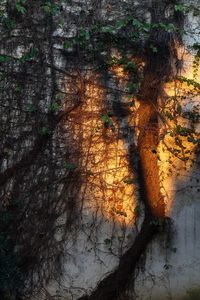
(107, 188)
(108, 185)
(176, 168)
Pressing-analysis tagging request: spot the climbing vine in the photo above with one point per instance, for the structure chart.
(57, 88)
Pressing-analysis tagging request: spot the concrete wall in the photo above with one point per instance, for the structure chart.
(172, 264)
(108, 211)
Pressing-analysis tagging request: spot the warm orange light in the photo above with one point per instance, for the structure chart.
(107, 189)
(173, 169)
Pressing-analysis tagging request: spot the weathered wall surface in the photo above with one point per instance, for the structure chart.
(171, 266)
(76, 181)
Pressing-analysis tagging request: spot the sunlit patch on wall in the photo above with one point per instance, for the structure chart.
(179, 131)
(108, 187)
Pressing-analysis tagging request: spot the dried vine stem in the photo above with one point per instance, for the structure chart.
(40, 251)
(158, 70)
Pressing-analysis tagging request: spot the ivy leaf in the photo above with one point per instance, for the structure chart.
(84, 34)
(20, 8)
(136, 23)
(4, 58)
(45, 131)
(132, 87)
(29, 55)
(170, 27)
(68, 44)
(50, 8)
(18, 88)
(59, 96)
(169, 115)
(46, 8)
(8, 23)
(191, 140)
(106, 120)
(179, 7)
(70, 166)
(108, 29)
(61, 23)
(54, 107)
(130, 67)
(120, 24)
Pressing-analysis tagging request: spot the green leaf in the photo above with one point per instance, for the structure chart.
(46, 8)
(59, 96)
(106, 120)
(54, 107)
(137, 23)
(192, 140)
(4, 58)
(134, 36)
(190, 82)
(18, 88)
(132, 87)
(20, 8)
(70, 166)
(130, 67)
(170, 27)
(32, 53)
(45, 131)
(68, 44)
(179, 7)
(121, 23)
(61, 23)
(50, 8)
(9, 24)
(84, 34)
(108, 29)
(169, 115)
